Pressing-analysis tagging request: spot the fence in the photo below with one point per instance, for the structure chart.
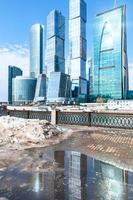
(77, 118)
(112, 120)
(31, 114)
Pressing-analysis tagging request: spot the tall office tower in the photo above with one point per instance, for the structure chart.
(12, 73)
(67, 65)
(36, 50)
(88, 67)
(75, 171)
(72, 175)
(59, 87)
(77, 46)
(110, 66)
(88, 76)
(55, 61)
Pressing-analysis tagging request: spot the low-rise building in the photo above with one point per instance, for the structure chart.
(23, 90)
(40, 93)
(13, 71)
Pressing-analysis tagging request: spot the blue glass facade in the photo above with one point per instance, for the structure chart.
(40, 94)
(73, 175)
(58, 87)
(36, 50)
(130, 94)
(23, 90)
(55, 61)
(77, 41)
(110, 67)
(12, 73)
(79, 89)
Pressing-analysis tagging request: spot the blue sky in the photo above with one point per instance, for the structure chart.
(17, 16)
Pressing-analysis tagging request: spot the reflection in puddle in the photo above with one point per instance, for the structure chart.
(75, 177)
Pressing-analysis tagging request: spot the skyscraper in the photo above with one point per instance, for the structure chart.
(110, 67)
(55, 61)
(58, 87)
(75, 165)
(36, 50)
(12, 73)
(77, 45)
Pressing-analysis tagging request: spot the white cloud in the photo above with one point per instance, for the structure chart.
(16, 55)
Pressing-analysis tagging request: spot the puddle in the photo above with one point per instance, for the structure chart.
(74, 176)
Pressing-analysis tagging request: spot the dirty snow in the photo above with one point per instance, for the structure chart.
(18, 132)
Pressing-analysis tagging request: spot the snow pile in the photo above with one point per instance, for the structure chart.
(23, 131)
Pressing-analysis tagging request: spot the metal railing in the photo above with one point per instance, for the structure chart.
(112, 120)
(73, 118)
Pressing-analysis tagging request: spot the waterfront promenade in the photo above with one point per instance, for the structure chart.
(96, 115)
(104, 134)
(113, 146)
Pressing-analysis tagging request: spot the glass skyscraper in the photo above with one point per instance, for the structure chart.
(110, 67)
(12, 73)
(58, 87)
(77, 45)
(55, 61)
(36, 50)
(72, 172)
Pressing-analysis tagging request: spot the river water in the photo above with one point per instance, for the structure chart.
(74, 177)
